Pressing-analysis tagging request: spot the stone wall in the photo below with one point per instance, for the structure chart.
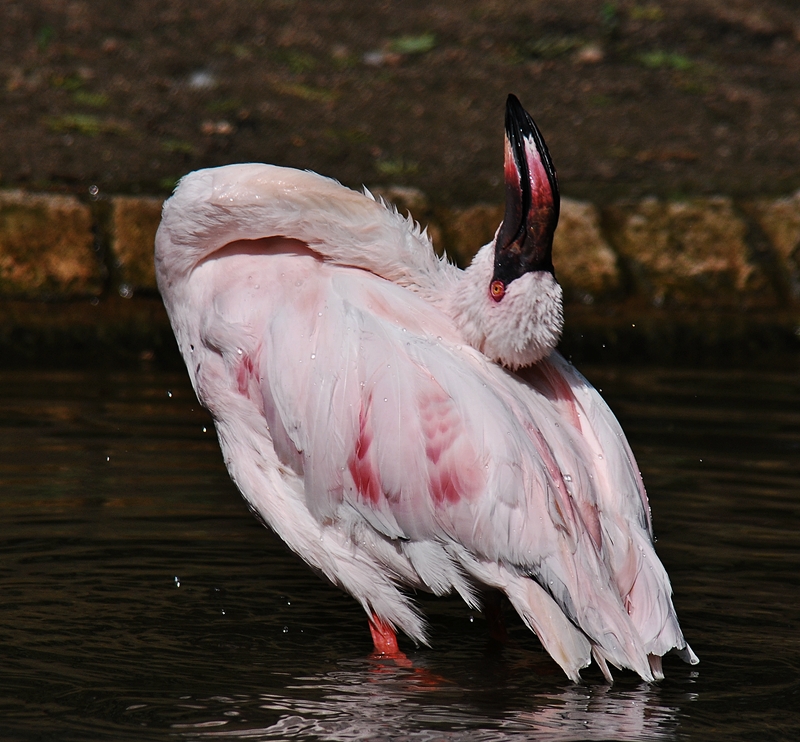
(656, 263)
(712, 253)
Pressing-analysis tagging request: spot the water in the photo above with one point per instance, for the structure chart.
(140, 600)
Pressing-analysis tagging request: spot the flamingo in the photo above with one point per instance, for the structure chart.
(403, 424)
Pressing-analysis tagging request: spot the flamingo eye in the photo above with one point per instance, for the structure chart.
(497, 290)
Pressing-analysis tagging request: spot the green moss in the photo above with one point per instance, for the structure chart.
(660, 59)
(93, 100)
(413, 44)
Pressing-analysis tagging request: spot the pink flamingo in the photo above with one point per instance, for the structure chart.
(401, 423)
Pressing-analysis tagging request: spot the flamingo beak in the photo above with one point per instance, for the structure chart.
(524, 241)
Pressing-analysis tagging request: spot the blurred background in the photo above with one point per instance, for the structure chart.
(670, 98)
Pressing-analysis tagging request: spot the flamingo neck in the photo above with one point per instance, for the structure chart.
(520, 329)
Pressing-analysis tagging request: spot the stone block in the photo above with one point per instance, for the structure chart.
(780, 221)
(408, 200)
(47, 247)
(134, 221)
(467, 230)
(692, 252)
(586, 266)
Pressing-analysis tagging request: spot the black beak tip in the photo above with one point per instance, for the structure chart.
(517, 117)
(524, 242)
(521, 126)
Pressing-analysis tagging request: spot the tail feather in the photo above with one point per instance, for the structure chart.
(600, 659)
(565, 643)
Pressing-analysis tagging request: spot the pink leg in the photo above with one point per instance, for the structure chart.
(383, 637)
(385, 641)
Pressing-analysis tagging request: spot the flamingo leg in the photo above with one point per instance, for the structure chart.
(383, 637)
(493, 612)
(385, 640)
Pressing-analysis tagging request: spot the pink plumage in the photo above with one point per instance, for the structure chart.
(402, 423)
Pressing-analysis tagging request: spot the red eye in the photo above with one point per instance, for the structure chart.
(497, 290)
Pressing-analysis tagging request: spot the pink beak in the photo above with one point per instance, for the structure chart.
(525, 240)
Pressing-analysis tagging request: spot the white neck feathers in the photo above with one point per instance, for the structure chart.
(520, 329)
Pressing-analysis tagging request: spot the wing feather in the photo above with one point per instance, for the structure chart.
(381, 447)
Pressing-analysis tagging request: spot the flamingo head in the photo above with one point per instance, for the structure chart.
(508, 303)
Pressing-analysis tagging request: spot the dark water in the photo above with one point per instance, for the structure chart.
(139, 599)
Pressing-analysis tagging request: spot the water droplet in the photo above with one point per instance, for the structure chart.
(313, 356)
(177, 581)
(108, 458)
(472, 619)
(239, 351)
(125, 290)
(285, 629)
(205, 430)
(385, 399)
(567, 478)
(288, 602)
(223, 611)
(94, 192)
(319, 314)
(599, 455)
(169, 393)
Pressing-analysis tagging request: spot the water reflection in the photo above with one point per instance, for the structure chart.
(383, 702)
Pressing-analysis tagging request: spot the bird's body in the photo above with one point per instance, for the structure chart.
(363, 415)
